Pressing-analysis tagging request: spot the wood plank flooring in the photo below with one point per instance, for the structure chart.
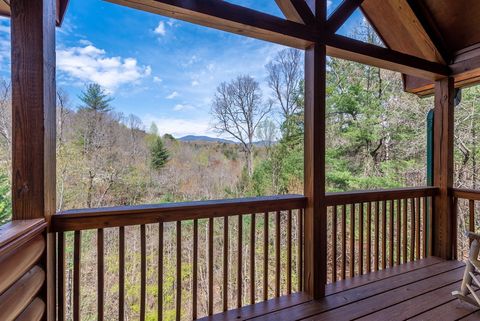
(419, 290)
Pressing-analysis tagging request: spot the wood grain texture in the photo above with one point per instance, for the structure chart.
(33, 312)
(379, 195)
(297, 11)
(315, 228)
(144, 214)
(18, 262)
(21, 293)
(229, 17)
(443, 222)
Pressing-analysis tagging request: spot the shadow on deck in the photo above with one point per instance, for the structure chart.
(419, 290)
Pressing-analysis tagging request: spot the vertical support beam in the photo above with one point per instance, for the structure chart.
(315, 235)
(443, 226)
(33, 120)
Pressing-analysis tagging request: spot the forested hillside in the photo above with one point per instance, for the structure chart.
(376, 138)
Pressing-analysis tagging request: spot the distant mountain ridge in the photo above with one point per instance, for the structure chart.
(194, 138)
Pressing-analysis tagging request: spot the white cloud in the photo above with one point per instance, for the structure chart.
(85, 42)
(195, 83)
(91, 64)
(157, 79)
(172, 95)
(160, 29)
(181, 127)
(329, 3)
(180, 107)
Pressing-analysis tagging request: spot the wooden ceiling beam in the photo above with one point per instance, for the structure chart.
(297, 11)
(354, 50)
(229, 17)
(244, 21)
(465, 69)
(341, 14)
(430, 27)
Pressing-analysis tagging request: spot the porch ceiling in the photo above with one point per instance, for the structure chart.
(445, 31)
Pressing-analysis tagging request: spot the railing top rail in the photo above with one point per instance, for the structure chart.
(16, 233)
(470, 194)
(343, 198)
(81, 219)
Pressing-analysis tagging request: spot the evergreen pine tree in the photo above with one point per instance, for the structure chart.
(95, 99)
(159, 154)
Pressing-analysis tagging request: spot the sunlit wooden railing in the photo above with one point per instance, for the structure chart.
(225, 254)
(465, 202)
(372, 230)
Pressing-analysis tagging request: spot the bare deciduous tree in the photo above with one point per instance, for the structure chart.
(285, 73)
(238, 109)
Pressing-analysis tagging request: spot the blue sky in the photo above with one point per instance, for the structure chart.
(162, 70)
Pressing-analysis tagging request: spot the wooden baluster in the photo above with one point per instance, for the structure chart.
(390, 242)
(344, 242)
(100, 274)
(300, 249)
(405, 227)
(210, 265)
(265, 256)
(424, 227)
(239, 268)
(360, 242)
(471, 211)
(160, 271)
(289, 252)
(143, 272)
(369, 237)
(417, 228)
(412, 229)
(352, 240)
(61, 275)
(384, 234)
(454, 225)
(334, 243)
(377, 235)
(399, 231)
(277, 254)
(121, 274)
(179, 272)
(60, 286)
(225, 263)
(77, 243)
(252, 260)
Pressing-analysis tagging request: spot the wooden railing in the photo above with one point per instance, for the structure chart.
(372, 230)
(184, 260)
(22, 270)
(464, 206)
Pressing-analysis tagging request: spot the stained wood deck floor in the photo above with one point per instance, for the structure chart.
(418, 290)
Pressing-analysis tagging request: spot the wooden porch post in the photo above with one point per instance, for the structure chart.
(443, 227)
(315, 238)
(33, 120)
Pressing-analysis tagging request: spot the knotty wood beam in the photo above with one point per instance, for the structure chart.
(429, 25)
(341, 14)
(443, 225)
(297, 11)
(465, 69)
(237, 19)
(229, 17)
(33, 122)
(315, 235)
(354, 50)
